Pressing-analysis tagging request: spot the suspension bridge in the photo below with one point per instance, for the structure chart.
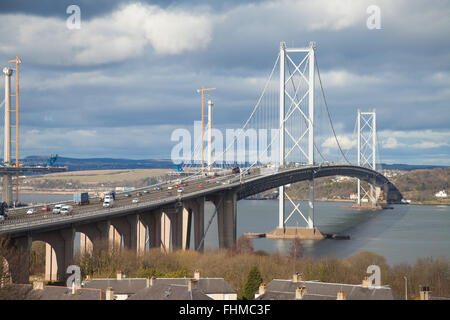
(281, 143)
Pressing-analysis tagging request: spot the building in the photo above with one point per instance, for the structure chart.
(164, 290)
(123, 288)
(120, 287)
(441, 194)
(297, 289)
(40, 291)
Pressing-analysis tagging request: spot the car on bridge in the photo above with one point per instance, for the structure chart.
(66, 209)
(200, 186)
(57, 208)
(135, 200)
(169, 188)
(127, 195)
(31, 211)
(180, 189)
(158, 188)
(109, 202)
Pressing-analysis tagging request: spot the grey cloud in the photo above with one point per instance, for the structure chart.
(148, 89)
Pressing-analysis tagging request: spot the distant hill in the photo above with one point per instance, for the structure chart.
(75, 164)
(409, 167)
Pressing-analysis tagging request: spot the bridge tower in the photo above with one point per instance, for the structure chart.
(367, 151)
(297, 122)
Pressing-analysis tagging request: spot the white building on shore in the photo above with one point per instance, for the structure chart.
(441, 194)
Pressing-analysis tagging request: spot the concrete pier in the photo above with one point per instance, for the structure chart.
(296, 233)
(226, 205)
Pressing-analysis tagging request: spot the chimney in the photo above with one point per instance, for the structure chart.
(341, 295)
(109, 295)
(192, 284)
(365, 282)
(38, 285)
(425, 293)
(74, 288)
(300, 292)
(150, 281)
(262, 288)
(119, 275)
(196, 274)
(296, 278)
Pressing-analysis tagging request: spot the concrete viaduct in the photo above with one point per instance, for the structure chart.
(168, 220)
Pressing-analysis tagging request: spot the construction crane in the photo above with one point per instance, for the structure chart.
(178, 167)
(17, 61)
(202, 90)
(51, 161)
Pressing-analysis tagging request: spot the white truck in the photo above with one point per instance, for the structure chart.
(109, 201)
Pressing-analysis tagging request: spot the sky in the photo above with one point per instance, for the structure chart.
(127, 78)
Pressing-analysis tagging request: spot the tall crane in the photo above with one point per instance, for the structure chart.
(17, 61)
(202, 90)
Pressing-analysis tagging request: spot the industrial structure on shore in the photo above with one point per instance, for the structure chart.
(11, 166)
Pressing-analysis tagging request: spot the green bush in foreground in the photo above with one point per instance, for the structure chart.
(251, 286)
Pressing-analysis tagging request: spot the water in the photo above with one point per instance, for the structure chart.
(402, 234)
(37, 198)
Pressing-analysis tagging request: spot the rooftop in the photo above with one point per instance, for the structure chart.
(279, 289)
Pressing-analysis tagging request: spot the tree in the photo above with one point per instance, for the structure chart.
(251, 286)
(242, 245)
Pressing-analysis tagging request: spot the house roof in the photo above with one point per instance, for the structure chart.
(133, 285)
(315, 290)
(167, 291)
(206, 285)
(278, 295)
(123, 286)
(56, 293)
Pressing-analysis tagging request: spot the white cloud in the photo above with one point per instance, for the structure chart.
(121, 35)
(416, 139)
(345, 142)
(429, 145)
(390, 143)
(344, 78)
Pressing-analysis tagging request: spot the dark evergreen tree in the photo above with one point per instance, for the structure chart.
(251, 286)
